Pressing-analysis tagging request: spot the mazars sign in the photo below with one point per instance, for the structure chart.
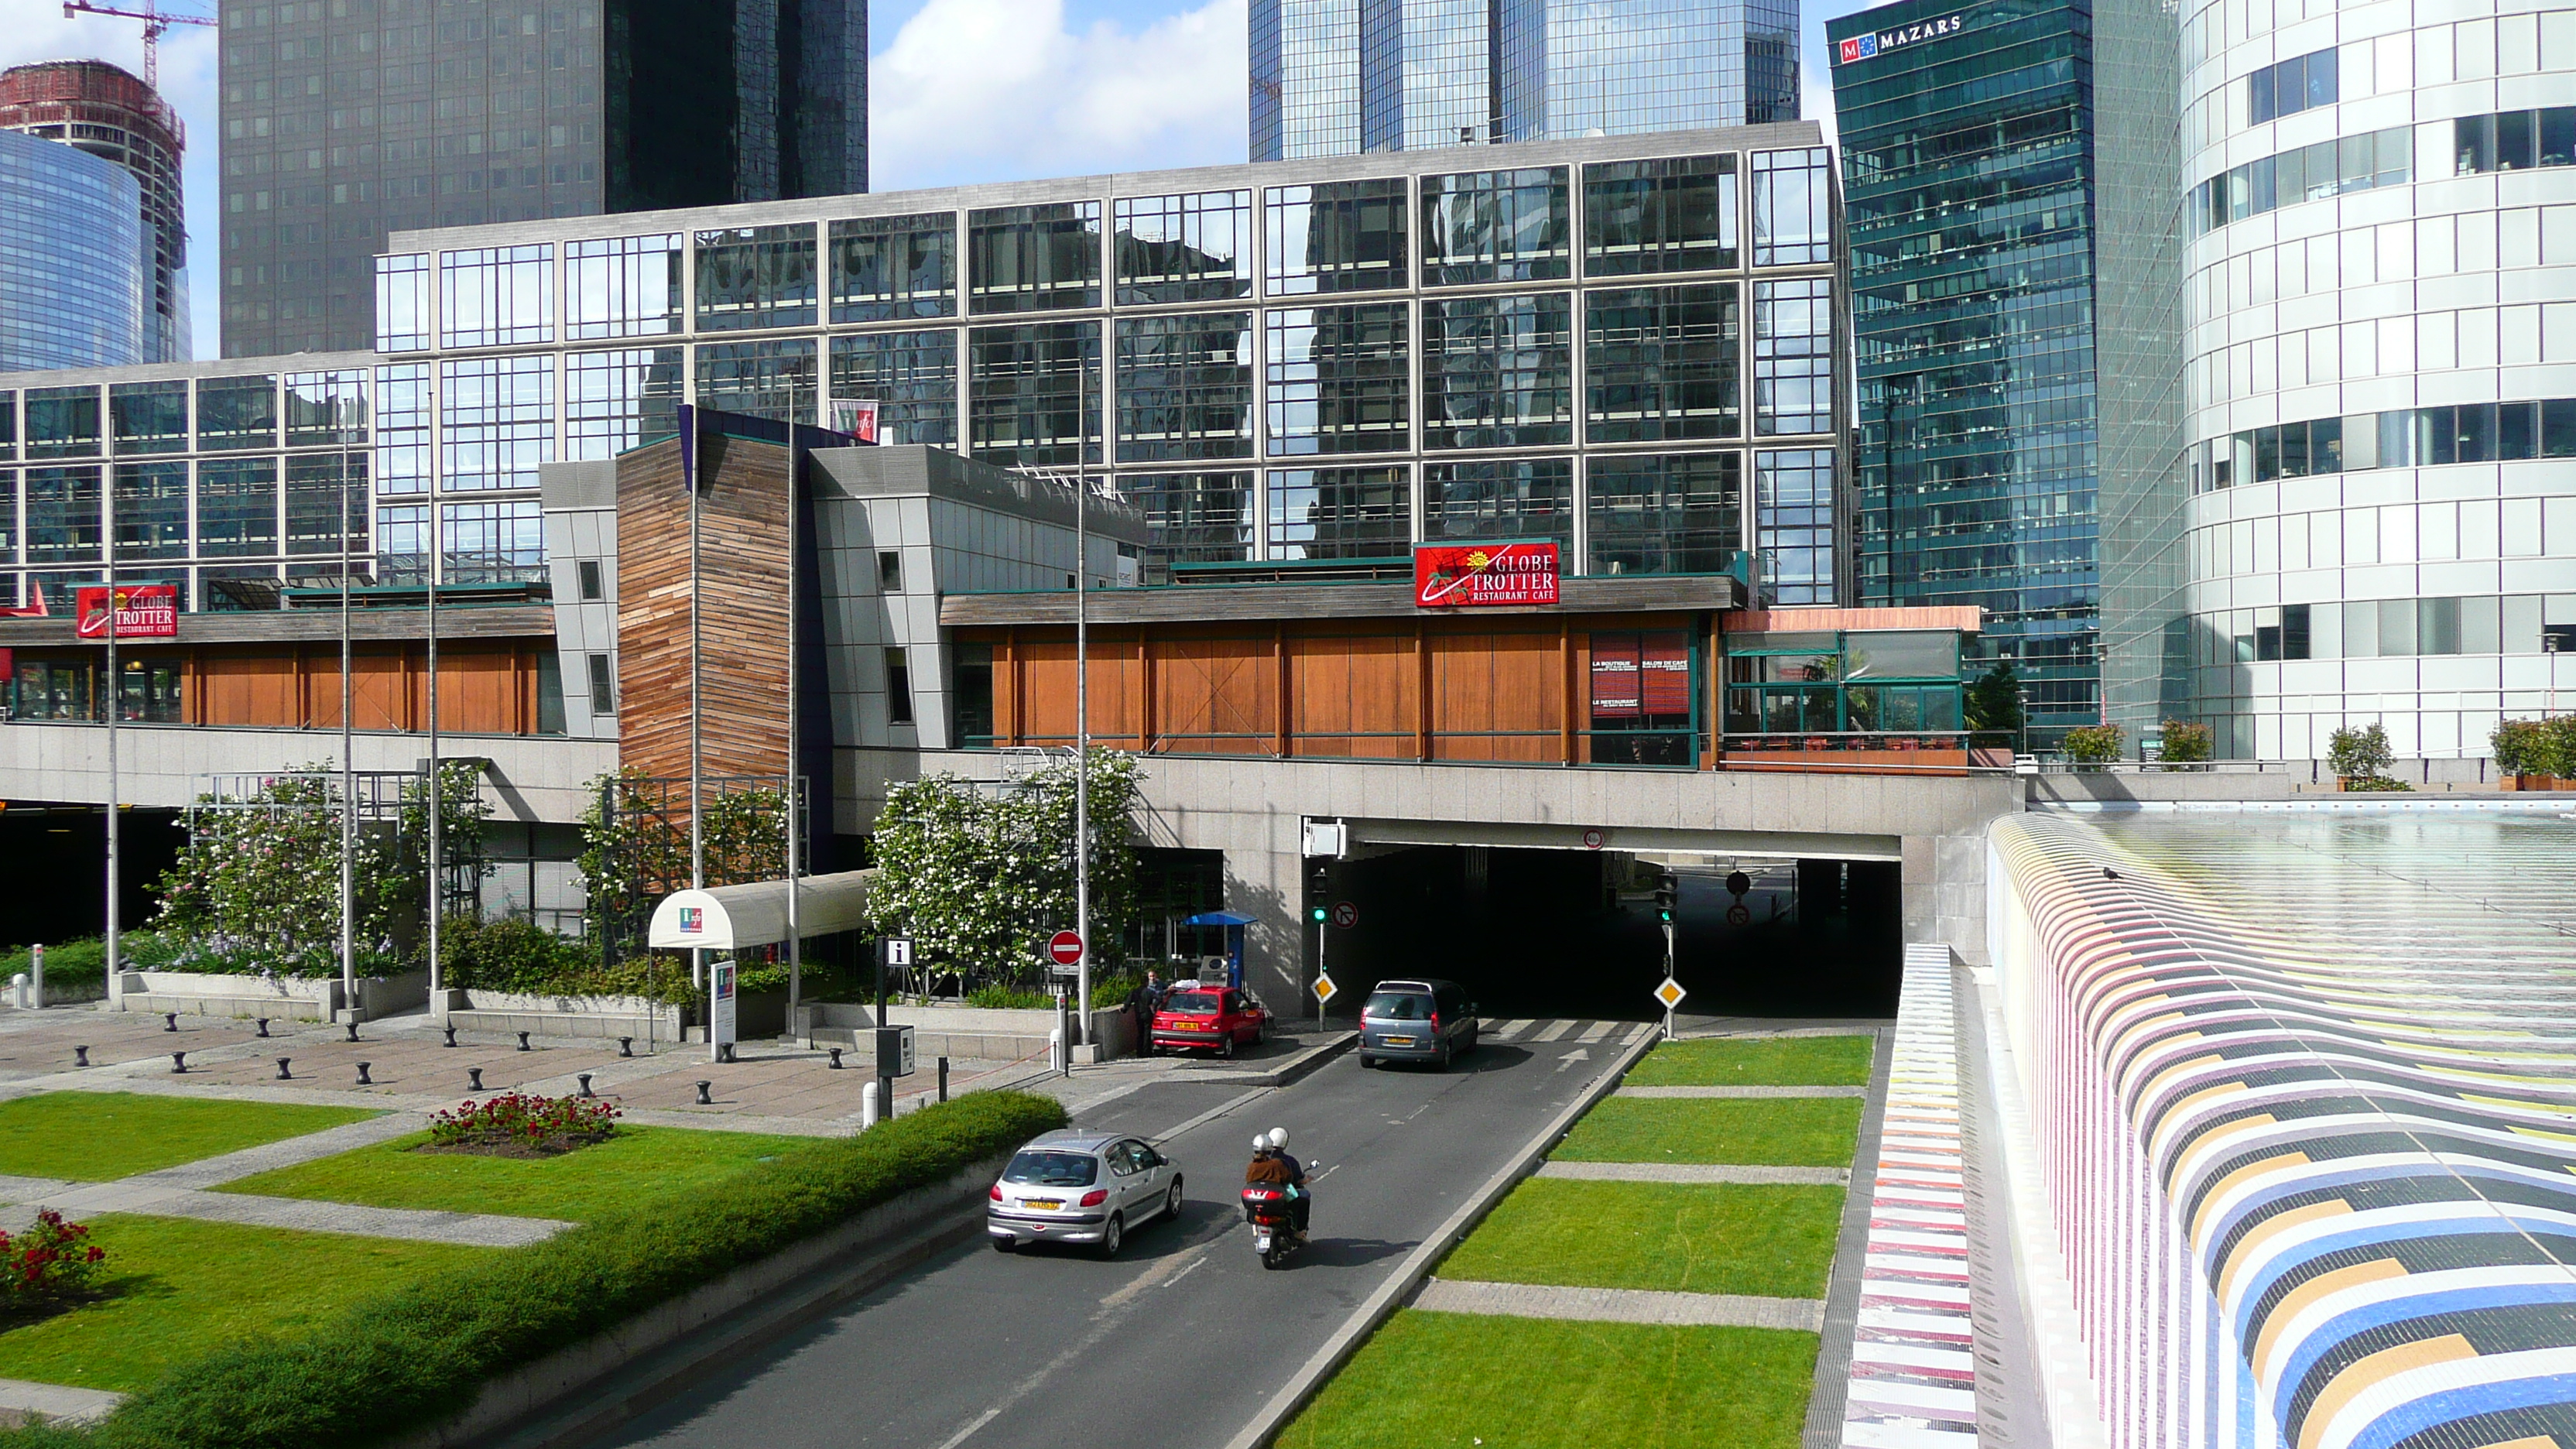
(1862, 47)
(1472, 575)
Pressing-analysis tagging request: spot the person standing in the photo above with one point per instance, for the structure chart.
(1142, 1003)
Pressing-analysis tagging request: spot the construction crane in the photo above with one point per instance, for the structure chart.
(156, 23)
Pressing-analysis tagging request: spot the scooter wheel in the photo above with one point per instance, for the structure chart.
(1277, 1255)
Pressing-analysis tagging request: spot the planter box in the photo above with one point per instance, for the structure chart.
(961, 1032)
(2533, 782)
(315, 998)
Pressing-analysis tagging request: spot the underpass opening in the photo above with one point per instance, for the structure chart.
(1537, 932)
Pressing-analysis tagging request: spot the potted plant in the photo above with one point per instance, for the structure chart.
(2535, 754)
(2359, 756)
(2093, 746)
(2186, 745)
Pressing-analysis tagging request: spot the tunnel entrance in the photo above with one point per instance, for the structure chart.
(1574, 933)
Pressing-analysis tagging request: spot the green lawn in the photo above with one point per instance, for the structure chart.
(635, 1166)
(1429, 1379)
(1772, 1242)
(180, 1288)
(1786, 1061)
(1781, 1131)
(99, 1136)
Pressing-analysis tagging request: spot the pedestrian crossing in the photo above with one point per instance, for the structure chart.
(1533, 1031)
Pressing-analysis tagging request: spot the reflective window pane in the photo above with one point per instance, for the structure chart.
(8, 424)
(236, 414)
(150, 510)
(1495, 226)
(496, 422)
(773, 380)
(1195, 247)
(491, 543)
(1340, 379)
(1671, 215)
(1663, 363)
(62, 422)
(885, 267)
(402, 544)
(1792, 207)
(237, 508)
(1794, 523)
(1498, 372)
(910, 376)
(1499, 499)
(402, 428)
(402, 303)
(496, 296)
(1336, 236)
(148, 417)
(1196, 518)
(1185, 387)
(1793, 337)
(326, 508)
(1033, 258)
(755, 276)
(618, 400)
(1665, 513)
(324, 408)
(628, 286)
(1340, 513)
(1036, 394)
(62, 515)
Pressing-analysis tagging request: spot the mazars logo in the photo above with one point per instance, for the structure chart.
(1862, 47)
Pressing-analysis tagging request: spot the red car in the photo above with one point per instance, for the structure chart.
(1209, 1018)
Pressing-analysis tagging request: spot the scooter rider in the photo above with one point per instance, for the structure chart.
(1272, 1164)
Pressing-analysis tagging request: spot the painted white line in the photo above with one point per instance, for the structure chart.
(1554, 1030)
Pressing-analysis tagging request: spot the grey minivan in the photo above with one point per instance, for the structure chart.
(1416, 1021)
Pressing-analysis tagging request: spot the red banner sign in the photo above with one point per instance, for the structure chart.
(143, 611)
(1482, 575)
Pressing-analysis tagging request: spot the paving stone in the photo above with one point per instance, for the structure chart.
(1620, 1305)
(1696, 1172)
(1743, 1091)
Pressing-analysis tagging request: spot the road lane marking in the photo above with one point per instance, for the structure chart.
(1505, 1031)
(1210, 1115)
(962, 1435)
(1554, 1030)
(1596, 1031)
(1570, 1058)
(1163, 1268)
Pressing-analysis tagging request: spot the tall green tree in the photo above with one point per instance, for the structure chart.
(1994, 699)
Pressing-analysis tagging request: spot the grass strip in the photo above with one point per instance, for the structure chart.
(1772, 1242)
(397, 1359)
(1423, 1380)
(1785, 1061)
(1778, 1131)
(639, 1165)
(177, 1289)
(102, 1136)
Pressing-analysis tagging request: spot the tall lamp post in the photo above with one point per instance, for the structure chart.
(115, 703)
(348, 767)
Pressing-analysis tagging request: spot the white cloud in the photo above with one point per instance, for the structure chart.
(41, 32)
(991, 90)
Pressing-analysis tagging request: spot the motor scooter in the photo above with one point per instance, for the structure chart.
(1273, 1216)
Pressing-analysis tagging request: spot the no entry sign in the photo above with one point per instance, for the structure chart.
(1064, 948)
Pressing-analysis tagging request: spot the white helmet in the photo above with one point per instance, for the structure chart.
(1277, 1137)
(1260, 1141)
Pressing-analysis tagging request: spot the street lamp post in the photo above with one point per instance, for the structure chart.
(1081, 692)
(115, 700)
(348, 769)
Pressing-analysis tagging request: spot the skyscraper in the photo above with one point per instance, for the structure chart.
(388, 115)
(1342, 77)
(73, 273)
(2013, 279)
(110, 114)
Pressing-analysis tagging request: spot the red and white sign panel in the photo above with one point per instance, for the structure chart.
(143, 611)
(1640, 674)
(1064, 948)
(1482, 575)
(856, 417)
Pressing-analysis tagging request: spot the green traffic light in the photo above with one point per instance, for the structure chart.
(1319, 915)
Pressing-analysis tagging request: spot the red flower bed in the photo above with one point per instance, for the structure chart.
(50, 1261)
(520, 1124)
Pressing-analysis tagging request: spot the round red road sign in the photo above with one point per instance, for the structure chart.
(1737, 915)
(1346, 915)
(1592, 839)
(1064, 948)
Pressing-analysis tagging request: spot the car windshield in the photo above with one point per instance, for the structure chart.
(1053, 1169)
(1196, 1003)
(1397, 1006)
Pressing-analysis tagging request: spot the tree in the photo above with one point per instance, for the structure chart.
(2094, 745)
(1994, 700)
(2186, 743)
(978, 876)
(2358, 753)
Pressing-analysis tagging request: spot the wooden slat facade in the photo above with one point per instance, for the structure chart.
(486, 687)
(743, 571)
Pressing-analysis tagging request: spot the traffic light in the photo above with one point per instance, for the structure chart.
(1316, 915)
(1667, 895)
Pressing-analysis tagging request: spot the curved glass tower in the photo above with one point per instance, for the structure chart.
(75, 268)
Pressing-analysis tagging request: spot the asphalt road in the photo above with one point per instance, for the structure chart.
(1184, 1336)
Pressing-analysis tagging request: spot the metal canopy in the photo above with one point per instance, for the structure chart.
(730, 918)
(1219, 918)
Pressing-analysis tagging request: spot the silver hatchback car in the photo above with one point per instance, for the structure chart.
(1073, 1186)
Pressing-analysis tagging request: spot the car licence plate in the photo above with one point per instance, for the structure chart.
(1399, 1041)
(1042, 1204)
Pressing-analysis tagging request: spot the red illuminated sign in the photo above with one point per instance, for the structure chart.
(1482, 575)
(143, 611)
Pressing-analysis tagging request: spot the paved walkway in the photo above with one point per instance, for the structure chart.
(57, 1402)
(1620, 1305)
(1696, 1172)
(1743, 1091)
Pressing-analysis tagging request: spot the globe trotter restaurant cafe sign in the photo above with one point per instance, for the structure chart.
(1483, 575)
(1863, 47)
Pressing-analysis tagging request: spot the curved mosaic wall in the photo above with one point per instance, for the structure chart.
(2305, 1088)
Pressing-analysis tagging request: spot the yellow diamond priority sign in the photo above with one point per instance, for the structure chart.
(1670, 993)
(1325, 990)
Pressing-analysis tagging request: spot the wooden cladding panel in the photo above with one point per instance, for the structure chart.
(1497, 697)
(1214, 696)
(745, 585)
(483, 688)
(1352, 695)
(1048, 695)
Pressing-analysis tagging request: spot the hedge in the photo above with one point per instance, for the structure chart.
(401, 1360)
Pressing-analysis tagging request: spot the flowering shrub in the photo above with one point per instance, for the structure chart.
(51, 1260)
(2091, 746)
(512, 1119)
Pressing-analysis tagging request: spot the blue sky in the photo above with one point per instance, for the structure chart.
(963, 91)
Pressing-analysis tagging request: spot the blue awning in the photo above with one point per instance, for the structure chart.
(1218, 918)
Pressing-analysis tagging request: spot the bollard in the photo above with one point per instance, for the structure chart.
(836, 1057)
(263, 1026)
(363, 1079)
(943, 1079)
(1055, 1051)
(178, 1061)
(626, 1046)
(36, 955)
(169, 1021)
(868, 1107)
(353, 1031)
(451, 1034)
(283, 1074)
(703, 1099)
(18, 991)
(474, 1075)
(724, 1051)
(585, 1085)
(80, 1056)
(523, 1041)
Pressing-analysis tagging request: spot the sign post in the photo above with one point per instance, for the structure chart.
(1670, 994)
(1064, 967)
(895, 952)
(720, 1010)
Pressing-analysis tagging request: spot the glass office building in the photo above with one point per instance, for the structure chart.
(1627, 346)
(1342, 77)
(340, 128)
(75, 279)
(2380, 374)
(99, 108)
(1982, 272)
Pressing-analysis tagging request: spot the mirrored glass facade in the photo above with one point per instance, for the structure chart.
(76, 289)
